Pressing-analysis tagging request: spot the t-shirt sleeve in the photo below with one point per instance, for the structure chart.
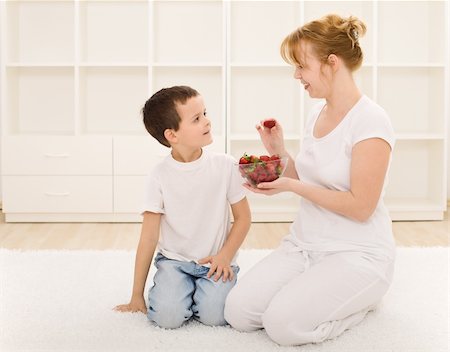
(153, 199)
(236, 190)
(373, 124)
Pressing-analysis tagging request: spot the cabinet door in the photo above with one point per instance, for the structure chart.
(129, 194)
(56, 155)
(57, 194)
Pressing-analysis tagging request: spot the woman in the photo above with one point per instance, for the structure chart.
(337, 261)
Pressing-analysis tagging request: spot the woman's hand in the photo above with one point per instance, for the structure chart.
(272, 138)
(282, 184)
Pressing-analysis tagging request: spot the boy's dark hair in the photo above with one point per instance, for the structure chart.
(160, 113)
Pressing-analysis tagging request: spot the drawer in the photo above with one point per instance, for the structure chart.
(57, 155)
(136, 155)
(57, 194)
(129, 193)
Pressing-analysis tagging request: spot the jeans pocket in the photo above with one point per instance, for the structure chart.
(159, 257)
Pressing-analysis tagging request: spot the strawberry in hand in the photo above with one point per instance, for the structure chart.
(269, 123)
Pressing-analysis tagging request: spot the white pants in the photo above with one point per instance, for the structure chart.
(301, 296)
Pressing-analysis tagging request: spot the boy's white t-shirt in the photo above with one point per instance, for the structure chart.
(325, 162)
(194, 199)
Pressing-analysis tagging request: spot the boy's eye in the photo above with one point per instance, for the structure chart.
(205, 113)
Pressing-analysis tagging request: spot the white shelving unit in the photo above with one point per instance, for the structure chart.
(75, 74)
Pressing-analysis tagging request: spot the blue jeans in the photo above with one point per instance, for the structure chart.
(182, 290)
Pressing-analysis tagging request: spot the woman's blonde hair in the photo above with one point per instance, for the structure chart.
(328, 35)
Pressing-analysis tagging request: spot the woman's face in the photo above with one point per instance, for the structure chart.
(312, 73)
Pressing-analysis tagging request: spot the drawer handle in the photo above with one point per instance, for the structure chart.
(56, 194)
(50, 155)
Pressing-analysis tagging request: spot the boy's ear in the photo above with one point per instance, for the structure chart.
(170, 135)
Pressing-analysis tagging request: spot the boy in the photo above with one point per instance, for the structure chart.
(186, 213)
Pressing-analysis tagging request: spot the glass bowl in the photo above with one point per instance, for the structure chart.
(257, 171)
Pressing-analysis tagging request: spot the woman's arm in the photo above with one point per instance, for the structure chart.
(370, 160)
(220, 263)
(144, 254)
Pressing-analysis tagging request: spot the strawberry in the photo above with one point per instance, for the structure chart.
(269, 123)
(275, 157)
(245, 159)
(260, 169)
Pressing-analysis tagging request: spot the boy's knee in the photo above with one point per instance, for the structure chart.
(169, 318)
(212, 319)
(209, 312)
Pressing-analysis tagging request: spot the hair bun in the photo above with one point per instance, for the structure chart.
(355, 29)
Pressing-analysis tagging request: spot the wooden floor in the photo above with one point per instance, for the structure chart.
(99, 236)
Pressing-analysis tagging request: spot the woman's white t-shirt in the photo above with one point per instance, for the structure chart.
(325, 162)
(194, 199)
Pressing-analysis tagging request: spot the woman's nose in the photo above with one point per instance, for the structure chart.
(297, 74)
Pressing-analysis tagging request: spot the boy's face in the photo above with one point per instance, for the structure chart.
(195, 127)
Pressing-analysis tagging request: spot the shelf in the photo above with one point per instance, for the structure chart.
(411, 65)
(407, 43)
(399, 87)
(114, 31)
(39, 100)
(420, 136)
(417, 172)
(113, 64)
(262, 64)
(178, 26)
(255, 136)
(253, 98)
(251, 39)
(111, 99)
(188, 64)
(43, 64)
(40, 32)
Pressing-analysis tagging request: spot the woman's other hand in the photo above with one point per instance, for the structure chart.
(282, 184)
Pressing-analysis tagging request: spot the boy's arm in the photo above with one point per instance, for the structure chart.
(144, 254)
(220, 263)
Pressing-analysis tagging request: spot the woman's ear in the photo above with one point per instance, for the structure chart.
(333, 61)
(170, 135)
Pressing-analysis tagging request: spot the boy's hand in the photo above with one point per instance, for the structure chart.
(135, 305)
(220, 266)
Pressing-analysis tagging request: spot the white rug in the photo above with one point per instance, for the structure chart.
(62, 301)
